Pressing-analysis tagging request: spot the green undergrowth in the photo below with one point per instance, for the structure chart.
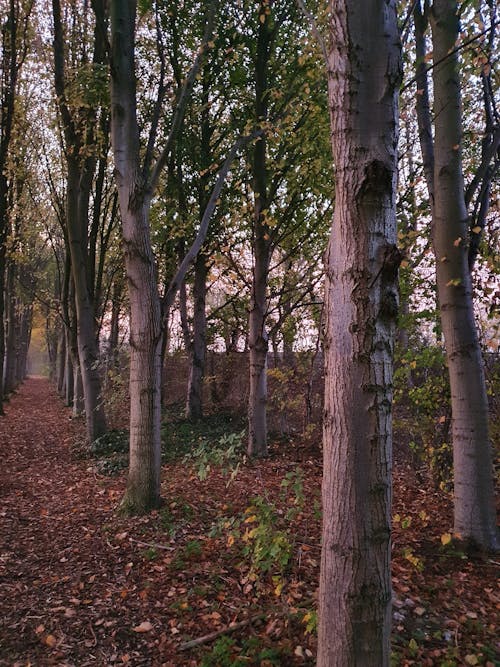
(214, 441)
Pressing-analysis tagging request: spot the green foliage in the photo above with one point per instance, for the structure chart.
(267, 546)
(227, 653)
(310, 620)
(421, 388)
(112, 442)
(225, 454)
(292, 487)
(111, 452)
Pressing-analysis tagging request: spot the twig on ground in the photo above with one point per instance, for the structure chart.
(153, 545)
(224, 631)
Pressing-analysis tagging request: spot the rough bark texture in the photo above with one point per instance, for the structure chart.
(472, 457)
(361, 306)
(143, 487)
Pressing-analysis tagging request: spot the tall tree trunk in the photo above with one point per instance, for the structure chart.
(194, 405)
(472, 457)
(143, 486)
(77, 222)
(364, 71)
(257, 335)
(81, 163)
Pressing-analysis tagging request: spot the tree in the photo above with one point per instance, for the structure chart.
(79, 120)
(474, 506)
(13, 51)
(364, 71)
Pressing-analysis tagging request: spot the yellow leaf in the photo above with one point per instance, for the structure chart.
(476, 229)
(278, 589)
(250, 519)
(471, 659)
(145, 626)
(445, 539)
(230, 540)
(413, 364)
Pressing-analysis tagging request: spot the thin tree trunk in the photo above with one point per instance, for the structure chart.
(474, 507)
(257, 335)
(77, 221)
(194, 405)
(68, 379)
(11, 341)
(61, 361)
(258, 344)
(364, 71)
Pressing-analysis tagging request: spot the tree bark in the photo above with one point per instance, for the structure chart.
(194, 405)
(474, 508)
(88, 352)
(364, 71)
(262, 249)
(143, 486)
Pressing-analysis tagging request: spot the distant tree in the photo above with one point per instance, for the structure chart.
(79, 101)
(364, 71)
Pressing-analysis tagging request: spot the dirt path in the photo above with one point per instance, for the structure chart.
(52, 554)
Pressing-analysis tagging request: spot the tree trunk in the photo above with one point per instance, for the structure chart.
(472, 457)
(114, 329)
(25, 339)
(257, 335)
(11, 340)
(143, 486)
(61, 362)
(259, 345)
(194, 405)
(78, 398)
(361, 307)
(77, 222)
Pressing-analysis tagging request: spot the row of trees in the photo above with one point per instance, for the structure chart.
(201, 132)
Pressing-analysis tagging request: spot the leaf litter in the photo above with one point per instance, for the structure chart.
(186, 585)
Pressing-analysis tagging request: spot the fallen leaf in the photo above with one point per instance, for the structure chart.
(145, 626)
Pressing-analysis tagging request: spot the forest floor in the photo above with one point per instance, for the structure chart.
(233, 554)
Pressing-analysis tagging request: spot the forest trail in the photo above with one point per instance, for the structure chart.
(48, 520)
